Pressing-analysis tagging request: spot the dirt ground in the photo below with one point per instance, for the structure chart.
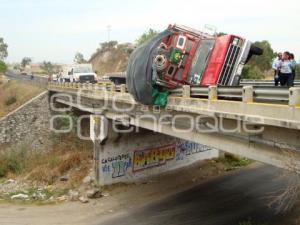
(119, 198)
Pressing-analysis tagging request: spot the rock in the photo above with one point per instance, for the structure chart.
(62, 198)
(87, 180)
(64, 178)
(94, 193)
(20, 196)
(83, 199)
(10, 181)
(73, 195)
(105, 194)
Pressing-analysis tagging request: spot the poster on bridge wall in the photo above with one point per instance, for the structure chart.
(130, 160)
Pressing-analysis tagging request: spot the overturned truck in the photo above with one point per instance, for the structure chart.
(181, 55)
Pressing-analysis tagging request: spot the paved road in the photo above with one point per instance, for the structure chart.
(16, 76)
(228, 200)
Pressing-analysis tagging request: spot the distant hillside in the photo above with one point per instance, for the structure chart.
(111, 57)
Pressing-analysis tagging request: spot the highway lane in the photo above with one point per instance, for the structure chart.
(229, 200)
(17, 76)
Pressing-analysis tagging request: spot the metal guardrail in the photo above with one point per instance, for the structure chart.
(274, 95)
(263, 83)
(260, 94)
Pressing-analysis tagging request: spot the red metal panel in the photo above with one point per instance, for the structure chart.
(215, 64)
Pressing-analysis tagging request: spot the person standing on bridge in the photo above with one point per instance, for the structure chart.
(275, 65)
(285, 70)
(293, 65)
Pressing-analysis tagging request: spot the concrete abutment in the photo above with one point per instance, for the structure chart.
(122, 157)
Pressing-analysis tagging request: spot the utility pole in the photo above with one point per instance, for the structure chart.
(108, 32)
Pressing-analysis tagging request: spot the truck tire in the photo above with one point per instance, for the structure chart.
(254, 51)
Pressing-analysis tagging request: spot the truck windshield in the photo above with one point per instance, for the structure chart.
(200, 60)
(82, 70)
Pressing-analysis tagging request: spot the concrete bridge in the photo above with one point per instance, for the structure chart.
(251, 126)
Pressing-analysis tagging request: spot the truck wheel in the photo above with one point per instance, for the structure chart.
(254, 51)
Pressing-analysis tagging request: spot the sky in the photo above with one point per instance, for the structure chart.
(54, 30)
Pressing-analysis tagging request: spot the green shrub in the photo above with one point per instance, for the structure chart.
(233, 162)
(10, 100)
(3, 67)
(298, 72)
(13, 161)
(252, 72)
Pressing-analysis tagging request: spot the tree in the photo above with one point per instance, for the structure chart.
(3, 49)
(258, 65)
(3, 67)
(107, 46)
(298, 71)
(220, 34)
(146, 36)
(263, 62)
(47, 67)
(252, 72)
(79, 58)
(25, 61)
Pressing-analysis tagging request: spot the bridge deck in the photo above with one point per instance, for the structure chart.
(246, 109)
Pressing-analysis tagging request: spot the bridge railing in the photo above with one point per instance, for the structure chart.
(272, 95)
(248, 82)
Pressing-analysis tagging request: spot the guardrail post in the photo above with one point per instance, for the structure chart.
(123, 88)
(95, 86)
(294, 96)
(105, 87)
(212, 93)
(113, 88)
(90, 86)
(247, 94)
(186, 91)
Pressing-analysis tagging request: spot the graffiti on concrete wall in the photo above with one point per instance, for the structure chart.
(117, 166)
(186, 148)
(139, 160)
(144, 159)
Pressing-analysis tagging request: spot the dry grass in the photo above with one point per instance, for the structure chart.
(15, 93)
(71, 158)
(286, 199)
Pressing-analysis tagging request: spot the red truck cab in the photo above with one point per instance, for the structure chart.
(188, 56)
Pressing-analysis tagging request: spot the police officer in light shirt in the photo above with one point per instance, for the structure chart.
(275, 66)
